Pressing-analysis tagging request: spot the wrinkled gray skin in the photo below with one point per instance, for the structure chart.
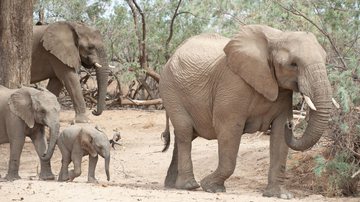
(77, 141)
(59, 49)
(220, 88)
(26, 112)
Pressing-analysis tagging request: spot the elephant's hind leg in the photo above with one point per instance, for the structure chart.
(228, 143)
(16, 146)
(182, 154)
(172, 172)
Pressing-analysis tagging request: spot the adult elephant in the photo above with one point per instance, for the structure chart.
(26, 112)
(58, 51)
(220, 88)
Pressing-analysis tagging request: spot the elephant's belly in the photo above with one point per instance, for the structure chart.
(252, 126)
(3, 137)
(206, 132)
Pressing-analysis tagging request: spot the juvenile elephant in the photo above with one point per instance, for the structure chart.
(77, 141)
(58, 51)
(220, 88)
(26, 112)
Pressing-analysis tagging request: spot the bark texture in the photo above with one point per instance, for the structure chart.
(15, 42)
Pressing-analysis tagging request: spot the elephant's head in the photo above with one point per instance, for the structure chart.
(76, 44)
(38, 106)
(96, 144)
(270, 60)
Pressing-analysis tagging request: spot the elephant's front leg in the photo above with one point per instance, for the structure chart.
(278, 156)
(76, 159)
(65, 161)
(228, 143)
(39, 140)
(92, 166)
(72, 85)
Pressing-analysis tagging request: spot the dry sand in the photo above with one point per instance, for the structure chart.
(138, 168)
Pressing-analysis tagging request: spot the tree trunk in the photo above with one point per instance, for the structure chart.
(15, 42)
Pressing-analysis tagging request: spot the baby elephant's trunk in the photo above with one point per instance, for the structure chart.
(107, 163)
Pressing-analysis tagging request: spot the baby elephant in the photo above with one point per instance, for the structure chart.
(77, 141)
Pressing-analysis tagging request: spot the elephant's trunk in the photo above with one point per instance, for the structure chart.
(316, 85)
(107, 164)
(54, 134)
(102, 74)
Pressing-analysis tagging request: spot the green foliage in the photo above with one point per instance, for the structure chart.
(320, 165)
(338, 172)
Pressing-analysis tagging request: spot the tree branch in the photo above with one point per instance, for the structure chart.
(167, 55)
(294, 11)
(143, 56)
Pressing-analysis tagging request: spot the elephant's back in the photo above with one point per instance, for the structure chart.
(192, 62)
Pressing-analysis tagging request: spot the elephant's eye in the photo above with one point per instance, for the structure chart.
(293, 64)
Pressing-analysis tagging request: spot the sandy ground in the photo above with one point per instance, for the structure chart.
(138, 168)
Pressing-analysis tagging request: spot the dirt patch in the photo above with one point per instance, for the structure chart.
(138, 168)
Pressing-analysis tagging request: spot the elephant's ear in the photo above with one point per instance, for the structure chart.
(248, 56)
(61, 40)
(86, 143)
(20, 104)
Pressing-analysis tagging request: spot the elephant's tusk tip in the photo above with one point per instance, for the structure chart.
(309, 103)
(97, 65)
(336, 104)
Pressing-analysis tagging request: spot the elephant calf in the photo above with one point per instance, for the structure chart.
(77, 141)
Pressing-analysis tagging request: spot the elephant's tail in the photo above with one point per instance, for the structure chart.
(165, 136)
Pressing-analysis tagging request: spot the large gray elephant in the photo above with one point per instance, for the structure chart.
(220, 88)
(26, 112)
(59, 49)
(77, 141)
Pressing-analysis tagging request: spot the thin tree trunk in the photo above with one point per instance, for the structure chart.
(15, 42)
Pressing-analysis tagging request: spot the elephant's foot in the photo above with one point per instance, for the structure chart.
(73, 174)
(209, 185)
(188, 184)
(81, 118)
(47, 176)
(63, 176)
(12, 176)
(277, 191)
(63, 179)
(92, 180)
(170, 180)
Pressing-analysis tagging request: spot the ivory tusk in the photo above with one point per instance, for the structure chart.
(112, 66)
(309, 103)
(336, 104)
(97, 65)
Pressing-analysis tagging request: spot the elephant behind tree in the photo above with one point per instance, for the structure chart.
(220, 88)
(77, 141)
(59, 49)
(26, 112)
